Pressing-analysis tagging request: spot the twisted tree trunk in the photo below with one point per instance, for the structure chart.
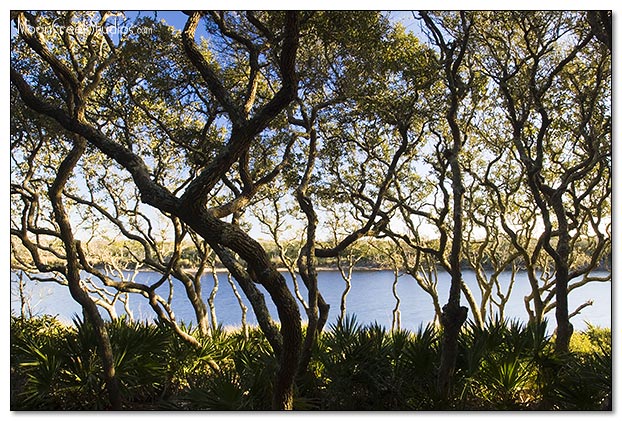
(73, 272)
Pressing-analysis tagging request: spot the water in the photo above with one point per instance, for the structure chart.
(370, 299)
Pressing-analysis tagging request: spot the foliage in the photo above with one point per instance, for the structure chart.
(593, 339)
(583, 383)
(35, 360)
(504, 365)
(63, 371)
(463, 142)
(244, 379)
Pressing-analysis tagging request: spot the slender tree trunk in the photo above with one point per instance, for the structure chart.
(451, 320)
(561, 257)
(564, 327)
(243, 307)
(317, 306)
(73, 272)
(212, 297)
(103, 342)
(475, 308)
(397, 318)
(307, 260)
(288, 343)
(255, 297)
(427, 279)
(193, 292)
(291, 332)
(25, 309)
(453, 315)
(347, 278)
(344, 297)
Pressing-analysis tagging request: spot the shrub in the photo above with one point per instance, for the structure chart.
(503, 365)
(63, 371)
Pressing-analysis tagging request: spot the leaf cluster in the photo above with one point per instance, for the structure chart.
(504, 365)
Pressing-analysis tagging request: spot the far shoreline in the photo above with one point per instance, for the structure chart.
(279, 269)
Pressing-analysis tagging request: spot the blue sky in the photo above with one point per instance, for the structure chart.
(178, 19)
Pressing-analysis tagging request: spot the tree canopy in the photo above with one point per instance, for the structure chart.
(485, 140)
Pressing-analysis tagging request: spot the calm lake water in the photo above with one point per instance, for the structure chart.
(370, 299)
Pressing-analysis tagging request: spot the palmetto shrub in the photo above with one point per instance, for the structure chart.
(189, 365)
(504, 365)
(366, 368)
(244, 378)
(36, 357)
(415, 361)
(62, 370)
(509, 365)
(584, 376)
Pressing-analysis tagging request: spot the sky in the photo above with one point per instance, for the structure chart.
(177, 19)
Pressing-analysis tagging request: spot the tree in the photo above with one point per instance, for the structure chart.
(487, 248)
(60, 227)
(553, 83)
(190, 207)
(326, 121)
(346, 260)
(229, 144)
(486, 145)
(452, 58)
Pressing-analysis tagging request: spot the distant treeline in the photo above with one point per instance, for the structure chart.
(369, 254)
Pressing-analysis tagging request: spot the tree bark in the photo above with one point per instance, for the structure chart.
(191, 206)
(193, 292)
(73, 272)
(562, 257)
(452, 318)
(396, 324)
(261, 270)
(255, 297)
(453, 315)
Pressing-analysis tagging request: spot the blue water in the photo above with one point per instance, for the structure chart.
(370, 299)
